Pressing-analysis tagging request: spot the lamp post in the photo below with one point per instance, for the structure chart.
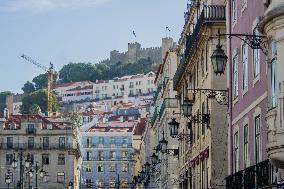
(8, 178)
(27, 165)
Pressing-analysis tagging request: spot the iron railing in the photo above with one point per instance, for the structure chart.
(34, 146)
(257, 176)
(210, 13)
(155, 115)
(117, 145)
(168, 103)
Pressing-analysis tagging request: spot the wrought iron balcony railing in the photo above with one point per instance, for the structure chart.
(117, 145)
(35, 146)
(209, 14)
(168, 103)
(257, 176)
(155, 115)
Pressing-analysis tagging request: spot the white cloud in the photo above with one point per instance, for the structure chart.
(37, 6)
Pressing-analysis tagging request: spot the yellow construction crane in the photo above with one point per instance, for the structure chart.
(51, 73)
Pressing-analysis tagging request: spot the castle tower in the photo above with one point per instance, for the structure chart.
(167, 44)
(133, 52)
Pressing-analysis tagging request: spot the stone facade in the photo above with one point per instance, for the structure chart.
(51, 144)
(272, 25)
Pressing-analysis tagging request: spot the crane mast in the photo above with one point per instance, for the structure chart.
(50, 73)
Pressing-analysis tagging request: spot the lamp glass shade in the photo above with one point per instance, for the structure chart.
(41, 173)
(187, 108)
(173, 125)
(27, 163)
(219, 60)
(30, 172)
(14, 163)
(164, 145)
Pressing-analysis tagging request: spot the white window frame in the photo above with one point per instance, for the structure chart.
(235, 76)
(258, 138)
(245, 67)
(256, 60)
(273, 76)
(236, 152)
(234, 11)
(246, 145)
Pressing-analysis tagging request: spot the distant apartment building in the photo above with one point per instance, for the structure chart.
(111, 92)
(108, 153)
(49, 144)
(133, 85)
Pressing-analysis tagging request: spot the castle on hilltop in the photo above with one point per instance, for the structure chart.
(135, 52)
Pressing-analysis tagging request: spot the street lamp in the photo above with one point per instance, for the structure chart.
(154, 159)
(163, 144)
(8, 178)
(187, 107)
(173, 125)
(147, 167)
(219, 58)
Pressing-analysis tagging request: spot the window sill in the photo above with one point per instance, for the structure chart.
(236, 99)
(256, 79)
(245, 91)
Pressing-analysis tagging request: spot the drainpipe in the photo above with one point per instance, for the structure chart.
(230, 87)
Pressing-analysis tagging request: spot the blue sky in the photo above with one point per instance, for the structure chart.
(63, 31)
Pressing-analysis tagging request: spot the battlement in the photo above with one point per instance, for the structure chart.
(134, 53)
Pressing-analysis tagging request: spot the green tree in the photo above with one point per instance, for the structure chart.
(35, 109)
(3, 96)
(28, 87)
(76, 72)
(38, 97)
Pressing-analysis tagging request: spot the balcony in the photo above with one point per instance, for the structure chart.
(155, 115)
(117, 145)
(257, 176)
(35, 146)
(209, 14)
(159, 88)
(168, 103)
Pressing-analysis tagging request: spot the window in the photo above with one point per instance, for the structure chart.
(31, 128)
(124, 183)
(245, 65)
(30, 142)
(273, 76)
(236, 152)
(45, 159)
(203, 125)
(235, 77)
(9, 159)
(257, 139)
(61, 177)
(112, 167)
(112, 140)
(124, 154)
(101, 140)
(61, 159)
(101, 155)
(89, 183)
(88, 168)
(89, 142)
(45, 142)
(112, 182)
(244, 3)
(124, 140)
(61, 142)
(100, 183)
(9, 142)
(256, 59)
(88, 155)
(112, 155)
(124, 167)
(100, 168)
(246, 146)
(234, 11)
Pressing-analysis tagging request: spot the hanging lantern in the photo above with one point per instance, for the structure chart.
(187, 108)
(219, 58)
(164, 144)
(173, 125)
(154, 159)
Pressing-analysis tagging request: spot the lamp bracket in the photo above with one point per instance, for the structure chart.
(221, 96)
(173, 152)
(182, 136)
(252, 40)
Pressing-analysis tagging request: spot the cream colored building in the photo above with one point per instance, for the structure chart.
(203, 161)
(50, 143)
(164, 174)
(272, 25)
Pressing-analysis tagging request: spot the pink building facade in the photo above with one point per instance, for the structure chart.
(249, 166)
